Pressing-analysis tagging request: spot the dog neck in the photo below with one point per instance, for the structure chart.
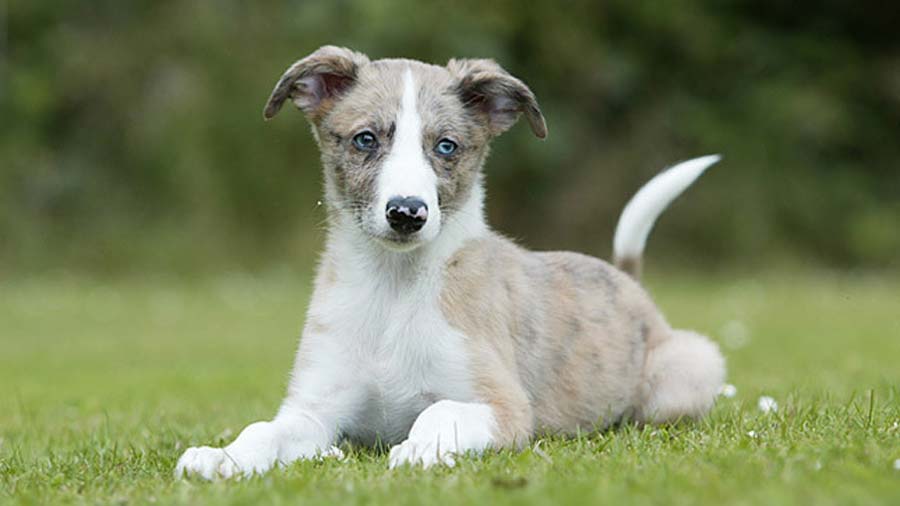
(349, 248)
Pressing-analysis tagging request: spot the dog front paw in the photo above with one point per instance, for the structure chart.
(259, 447)
(424, 452)
(444, 430)
(220, 463)
(207, 463)
(253, 452)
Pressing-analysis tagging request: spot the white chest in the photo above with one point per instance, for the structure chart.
(402, 354)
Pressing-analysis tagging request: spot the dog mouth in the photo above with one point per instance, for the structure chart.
(400, 242)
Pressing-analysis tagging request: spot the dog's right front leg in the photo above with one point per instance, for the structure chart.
(259, 447)
(306, 427)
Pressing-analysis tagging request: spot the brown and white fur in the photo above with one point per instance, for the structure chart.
(452, 339)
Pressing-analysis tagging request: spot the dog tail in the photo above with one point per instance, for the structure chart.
(645, 207)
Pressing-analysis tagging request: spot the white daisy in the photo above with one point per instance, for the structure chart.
(728, 390)
(767, 404)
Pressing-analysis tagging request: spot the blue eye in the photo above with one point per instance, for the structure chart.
(445, 147)
(365, 141)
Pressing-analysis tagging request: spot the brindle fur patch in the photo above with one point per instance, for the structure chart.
(572, 331)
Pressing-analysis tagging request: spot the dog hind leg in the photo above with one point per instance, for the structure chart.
(682, 376)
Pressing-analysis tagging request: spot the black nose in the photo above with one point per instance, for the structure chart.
(406, 214)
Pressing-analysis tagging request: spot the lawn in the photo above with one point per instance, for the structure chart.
(103, 384)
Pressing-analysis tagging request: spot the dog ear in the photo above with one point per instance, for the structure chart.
(492, 91)
(313, 83)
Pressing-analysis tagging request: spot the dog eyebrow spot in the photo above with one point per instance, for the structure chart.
(391, 130)
(335, 136)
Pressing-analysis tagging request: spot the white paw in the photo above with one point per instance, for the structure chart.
(425, 453)
(253, 452)
(259, 447)
(445, 429)
(207, 463)
(215, 463)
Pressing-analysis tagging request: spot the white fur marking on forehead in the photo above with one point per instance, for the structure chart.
(406, 171)
(409, 124)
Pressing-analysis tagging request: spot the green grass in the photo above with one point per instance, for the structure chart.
(102, 385)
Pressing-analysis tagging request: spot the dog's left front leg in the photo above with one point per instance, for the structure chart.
(448, 428)
(444, 429)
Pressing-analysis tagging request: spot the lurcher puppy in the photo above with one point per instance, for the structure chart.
(427, 330)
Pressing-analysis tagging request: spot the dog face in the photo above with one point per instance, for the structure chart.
(402, 142)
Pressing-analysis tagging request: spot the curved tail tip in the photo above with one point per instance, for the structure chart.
(708, 159)
(692, 169)
(704, 162)
(648, 203)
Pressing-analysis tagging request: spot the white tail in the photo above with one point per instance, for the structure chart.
(645, 207)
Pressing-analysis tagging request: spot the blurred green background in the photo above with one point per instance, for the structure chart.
(132, 136)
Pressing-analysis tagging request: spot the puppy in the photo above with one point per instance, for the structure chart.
(426, 330)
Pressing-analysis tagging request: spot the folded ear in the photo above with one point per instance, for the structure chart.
(315, 81)
(484, 85)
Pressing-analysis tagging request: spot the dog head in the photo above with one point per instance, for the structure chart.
(402, 142)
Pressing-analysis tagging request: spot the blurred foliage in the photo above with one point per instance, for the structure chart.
(132, 136)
